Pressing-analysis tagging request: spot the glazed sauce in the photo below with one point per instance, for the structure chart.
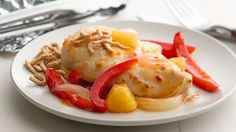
(65, 102)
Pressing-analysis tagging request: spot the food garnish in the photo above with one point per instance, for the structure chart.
(48, 57)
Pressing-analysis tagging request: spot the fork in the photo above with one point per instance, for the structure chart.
(191, 19)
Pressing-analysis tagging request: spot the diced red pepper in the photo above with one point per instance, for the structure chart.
(101, 82)
(168, 49)
(200, 77)
(52, 78)
(158, 78)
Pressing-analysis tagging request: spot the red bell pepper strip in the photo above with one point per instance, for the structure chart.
(74, 78)
(81, 102)
(52, 78)
(168, 49)
(74, 94)
(200, 77)
(69, 92)
(103, 79)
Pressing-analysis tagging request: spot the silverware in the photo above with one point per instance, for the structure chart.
(7, 6)
(13, 44)
(35, 20)
(190, 18)
(57, 17)
(221, 32)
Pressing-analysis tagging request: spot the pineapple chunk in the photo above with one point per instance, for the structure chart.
(127, 37)
(120, 99)
(180, 62)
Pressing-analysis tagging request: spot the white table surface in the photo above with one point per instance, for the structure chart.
(17, 114)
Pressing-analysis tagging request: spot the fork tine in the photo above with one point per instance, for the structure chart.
(183, 7)
(174, 8)
(186, 15)
(189, 7)
(191, 11)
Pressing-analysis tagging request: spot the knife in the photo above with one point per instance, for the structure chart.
(217, 31)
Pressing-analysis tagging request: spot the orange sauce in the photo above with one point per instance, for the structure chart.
(65, 102)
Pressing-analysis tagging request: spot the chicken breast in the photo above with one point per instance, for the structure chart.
(156, 77)
(147, 47)
(92, 51)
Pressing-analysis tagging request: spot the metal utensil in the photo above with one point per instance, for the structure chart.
(7, 6)
(35, 20)
(190, 18)
(13, 44)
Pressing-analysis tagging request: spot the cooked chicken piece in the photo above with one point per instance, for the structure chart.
(156, 77)
(147, 47)
(92, 51)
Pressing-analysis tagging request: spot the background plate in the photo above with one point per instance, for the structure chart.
(211, 55)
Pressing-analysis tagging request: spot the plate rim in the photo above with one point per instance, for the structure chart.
(112, 122)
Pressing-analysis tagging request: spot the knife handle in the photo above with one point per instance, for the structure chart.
(233, 33)
(221, 32)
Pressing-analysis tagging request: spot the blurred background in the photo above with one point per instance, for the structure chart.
(21, 21)
(218, 12)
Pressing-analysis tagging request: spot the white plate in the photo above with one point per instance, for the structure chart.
(211, 55)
